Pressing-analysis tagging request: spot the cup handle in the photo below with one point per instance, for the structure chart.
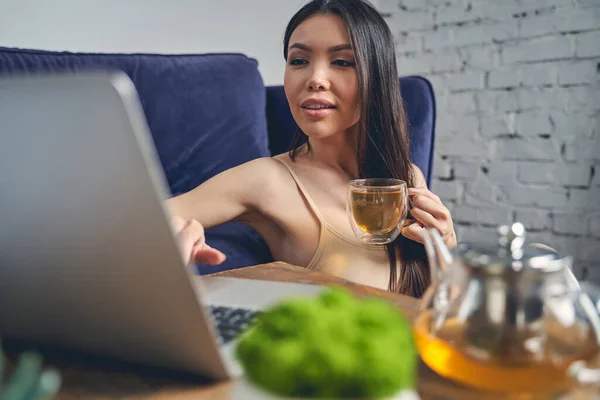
(405, 209)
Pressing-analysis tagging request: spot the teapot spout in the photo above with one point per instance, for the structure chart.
(438, 254)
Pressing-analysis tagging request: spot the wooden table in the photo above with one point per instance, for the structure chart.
(86, 377)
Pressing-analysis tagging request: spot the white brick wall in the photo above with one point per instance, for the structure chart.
(518, 132)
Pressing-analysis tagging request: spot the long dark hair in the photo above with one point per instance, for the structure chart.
(382, 128)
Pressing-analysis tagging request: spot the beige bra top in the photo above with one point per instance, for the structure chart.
(343, 257)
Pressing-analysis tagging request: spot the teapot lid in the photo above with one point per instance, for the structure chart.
(511, 252)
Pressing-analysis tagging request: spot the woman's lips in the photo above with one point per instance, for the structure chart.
(315, 107)
(317, 112)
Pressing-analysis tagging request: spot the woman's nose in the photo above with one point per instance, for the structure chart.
(318, 81)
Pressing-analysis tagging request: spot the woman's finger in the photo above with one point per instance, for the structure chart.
(191, 235)
(204, 254)
(414, 232)
(429, 221)
(425, 192)
(434, 208)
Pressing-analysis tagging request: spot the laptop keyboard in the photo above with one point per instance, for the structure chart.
(231, 321)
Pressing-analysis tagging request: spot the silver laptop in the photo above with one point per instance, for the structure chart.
(87, 256)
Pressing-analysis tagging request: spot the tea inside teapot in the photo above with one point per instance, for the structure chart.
(504, 318)
(518, 363)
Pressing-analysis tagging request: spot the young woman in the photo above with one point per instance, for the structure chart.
(341, 83)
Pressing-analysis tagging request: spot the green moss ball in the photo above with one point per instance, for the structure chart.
(331, 346)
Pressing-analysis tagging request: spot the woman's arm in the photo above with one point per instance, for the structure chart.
(232, 195)
(229, 196)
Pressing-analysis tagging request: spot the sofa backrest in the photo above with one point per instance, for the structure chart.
(206, 112)
(209, 112)
(419, 101)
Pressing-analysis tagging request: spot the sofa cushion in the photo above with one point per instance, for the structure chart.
(419, 101)
(242, 246)
(206, 114)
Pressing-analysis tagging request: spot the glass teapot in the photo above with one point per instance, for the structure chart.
(508, 317)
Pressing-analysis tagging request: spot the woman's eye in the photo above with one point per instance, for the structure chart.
(343, 63)
(298, 61)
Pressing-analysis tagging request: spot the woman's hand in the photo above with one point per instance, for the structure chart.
(429, 212)
(192, 242)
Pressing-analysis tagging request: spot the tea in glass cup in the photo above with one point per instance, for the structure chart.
(377, 208)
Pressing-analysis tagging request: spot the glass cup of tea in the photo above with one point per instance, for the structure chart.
(377, 208)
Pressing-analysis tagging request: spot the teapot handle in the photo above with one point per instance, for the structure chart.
(588, 297)
(438, 255)
(586, 375)
(440, 259)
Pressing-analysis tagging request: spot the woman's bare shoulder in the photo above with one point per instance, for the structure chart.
(283, 157)
(265, 174)
(264, 168)
(261, 164)
(267, 184)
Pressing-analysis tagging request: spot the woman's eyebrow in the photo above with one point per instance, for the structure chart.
(340, 47)
(332, 49)
(300, 46)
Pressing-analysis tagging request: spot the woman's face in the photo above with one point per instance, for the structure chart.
(321, 83)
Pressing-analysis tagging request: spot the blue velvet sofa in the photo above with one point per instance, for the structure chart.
(210, 112)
